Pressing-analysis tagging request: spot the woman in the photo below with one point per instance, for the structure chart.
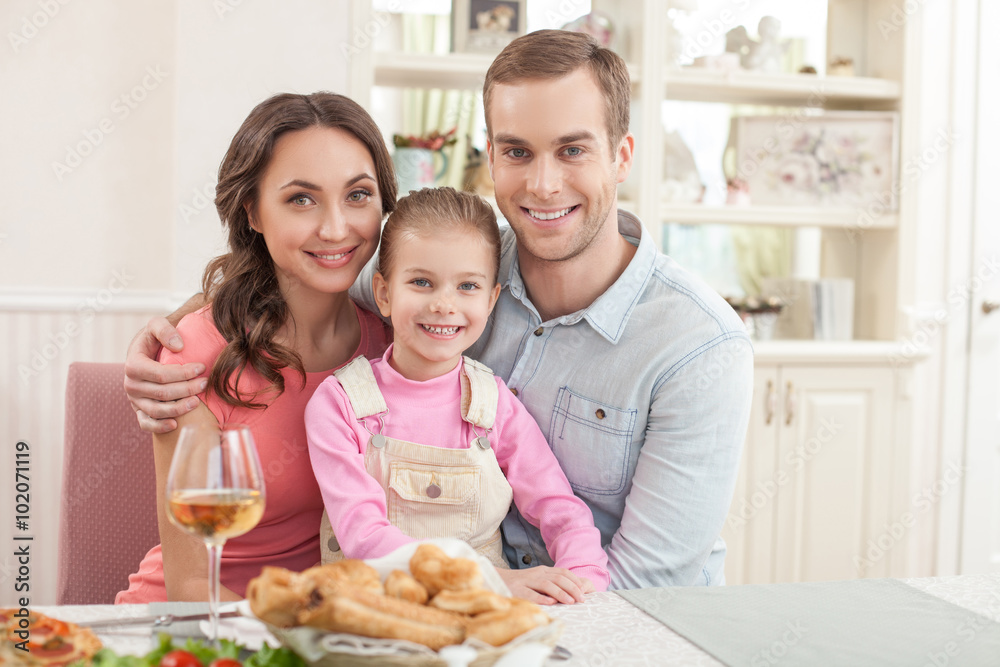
(302, 189)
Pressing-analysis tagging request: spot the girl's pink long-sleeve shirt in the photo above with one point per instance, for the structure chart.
(429, 413)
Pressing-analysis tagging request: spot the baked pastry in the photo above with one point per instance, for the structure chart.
(471, 602)
(499, 627)
(352, 572)
(278, 595)
(368, 614)
(347, 596)
(438, 571)
(401, 585)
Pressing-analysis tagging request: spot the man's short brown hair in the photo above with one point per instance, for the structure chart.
(551, 54)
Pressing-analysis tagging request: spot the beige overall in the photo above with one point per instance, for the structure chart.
(433, 491)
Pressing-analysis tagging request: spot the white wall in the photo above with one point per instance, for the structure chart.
(71, 225)
(76, 227)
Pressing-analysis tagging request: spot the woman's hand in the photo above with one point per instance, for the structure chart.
(546, 585)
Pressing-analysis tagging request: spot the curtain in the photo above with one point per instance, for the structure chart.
(426, 110)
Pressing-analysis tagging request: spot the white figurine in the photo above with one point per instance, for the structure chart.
(765, 54)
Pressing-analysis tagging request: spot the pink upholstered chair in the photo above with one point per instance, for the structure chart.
(108, 517)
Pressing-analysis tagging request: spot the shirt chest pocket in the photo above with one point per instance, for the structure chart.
(592, 441)
(433, 501)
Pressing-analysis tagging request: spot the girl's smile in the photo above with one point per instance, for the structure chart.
(438, 295)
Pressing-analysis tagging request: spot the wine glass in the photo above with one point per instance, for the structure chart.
(215, 490)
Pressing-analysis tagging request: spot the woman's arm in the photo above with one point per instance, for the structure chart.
(185, 559)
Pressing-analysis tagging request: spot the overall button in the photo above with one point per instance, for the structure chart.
(433, 491)
(539, 331)
(378, 441)
(483, 442)
(526, 559)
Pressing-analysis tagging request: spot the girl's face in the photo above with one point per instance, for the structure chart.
(319, 210)
(439, 294)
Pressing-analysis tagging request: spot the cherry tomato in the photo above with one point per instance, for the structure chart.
(225, 662)
(180, 659)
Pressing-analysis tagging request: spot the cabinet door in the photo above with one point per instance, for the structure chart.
(749, 528)
(835, 447)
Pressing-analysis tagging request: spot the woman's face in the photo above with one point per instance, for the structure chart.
(319, 210)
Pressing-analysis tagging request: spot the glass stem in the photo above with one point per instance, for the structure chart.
(214, 570)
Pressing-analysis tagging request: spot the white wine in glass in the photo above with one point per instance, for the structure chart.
(215, 491)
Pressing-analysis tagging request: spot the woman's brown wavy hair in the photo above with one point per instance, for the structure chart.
(247, 306)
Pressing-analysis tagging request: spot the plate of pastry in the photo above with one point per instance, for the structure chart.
(403, 609)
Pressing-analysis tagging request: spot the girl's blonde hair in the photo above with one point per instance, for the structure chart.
(433, 210)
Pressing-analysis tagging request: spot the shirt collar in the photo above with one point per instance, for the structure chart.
(609, 313)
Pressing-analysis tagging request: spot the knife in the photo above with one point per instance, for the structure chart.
(154, 621)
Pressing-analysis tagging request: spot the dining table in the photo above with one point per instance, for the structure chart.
(939, 622)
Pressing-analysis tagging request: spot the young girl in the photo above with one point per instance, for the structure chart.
(302, 190)
(426, 443)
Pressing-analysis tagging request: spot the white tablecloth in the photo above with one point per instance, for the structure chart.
(606, 630)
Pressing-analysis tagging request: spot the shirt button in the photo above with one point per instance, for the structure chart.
(539, 331)
(513, 391)
(599, 413)
(526, 559)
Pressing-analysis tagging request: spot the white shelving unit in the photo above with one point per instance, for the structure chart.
(772, 216)
(745, 87)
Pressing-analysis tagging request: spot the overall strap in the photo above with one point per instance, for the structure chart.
(361, 388)
(479, 394)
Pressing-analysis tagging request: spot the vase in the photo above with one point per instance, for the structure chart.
(415, 168)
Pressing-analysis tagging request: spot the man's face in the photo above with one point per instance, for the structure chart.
(554, 171)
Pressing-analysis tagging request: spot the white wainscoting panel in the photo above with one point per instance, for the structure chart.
(40, 338)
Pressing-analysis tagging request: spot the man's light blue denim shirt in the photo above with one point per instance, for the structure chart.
(644, 397)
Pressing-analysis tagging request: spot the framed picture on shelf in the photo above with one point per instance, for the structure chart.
(486, 26)
(839, 158)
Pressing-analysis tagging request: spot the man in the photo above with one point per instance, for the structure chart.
(637, 372)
